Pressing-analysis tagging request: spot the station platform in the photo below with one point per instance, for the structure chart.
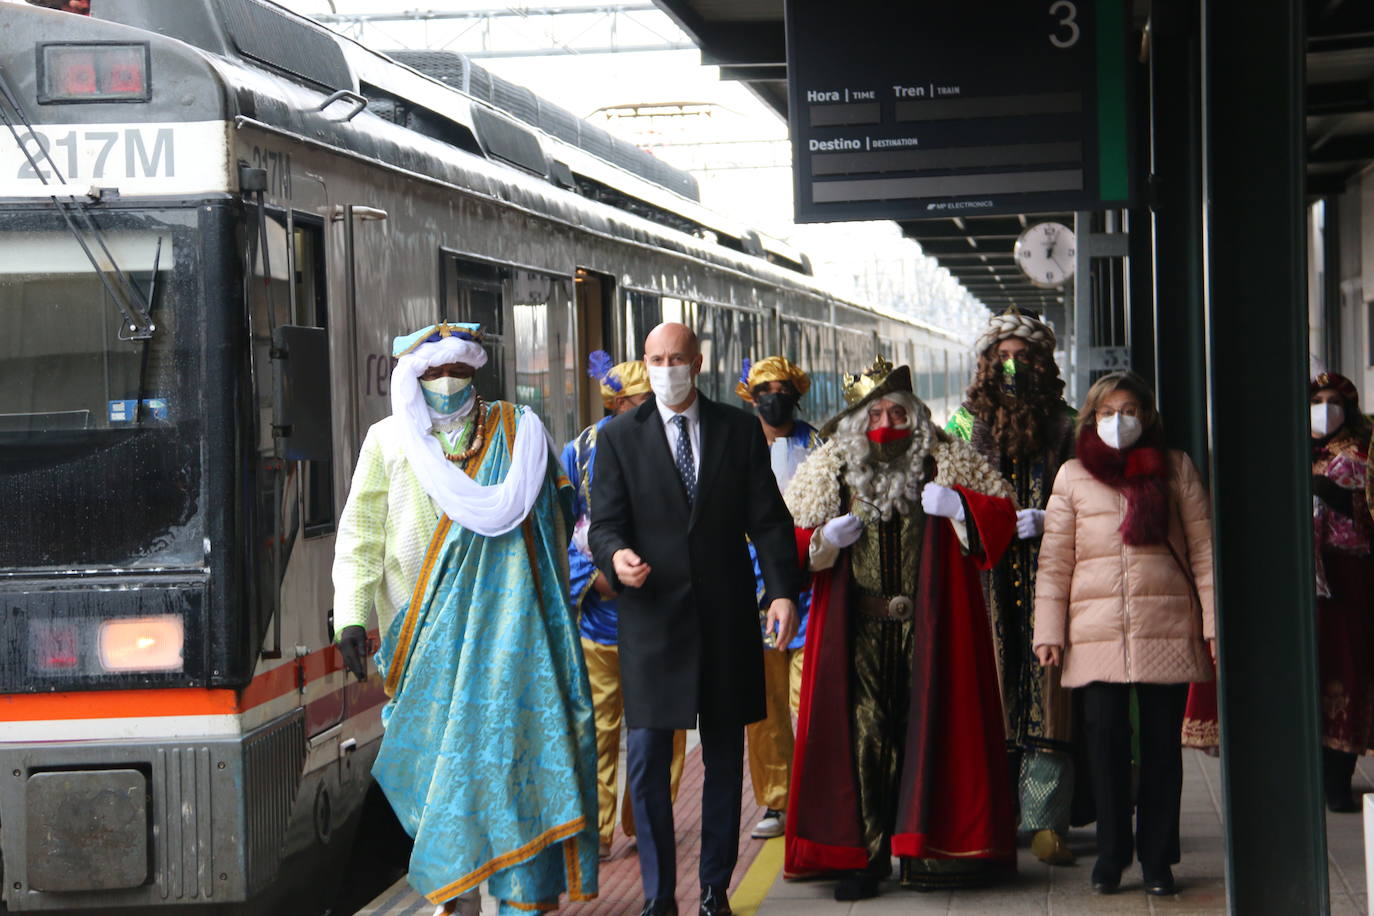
(758, 888)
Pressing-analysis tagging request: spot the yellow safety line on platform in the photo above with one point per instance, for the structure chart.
(759, 879)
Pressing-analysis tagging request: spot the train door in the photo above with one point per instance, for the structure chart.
(595, 325)
(307, 591)
(294, 497)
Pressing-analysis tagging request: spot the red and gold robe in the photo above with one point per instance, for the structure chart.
(954, 794)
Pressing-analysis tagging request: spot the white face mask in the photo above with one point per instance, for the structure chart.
(1327, 418)
(1119, 431)
(445, 384)
(670, 383)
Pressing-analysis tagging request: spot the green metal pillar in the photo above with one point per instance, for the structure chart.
(1253, 149)
(1180, 358)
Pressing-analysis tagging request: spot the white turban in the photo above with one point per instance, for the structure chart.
(485, 510)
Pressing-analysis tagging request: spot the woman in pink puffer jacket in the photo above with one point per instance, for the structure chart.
(1124, 600)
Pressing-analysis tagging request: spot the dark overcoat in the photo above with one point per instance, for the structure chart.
(689, 637)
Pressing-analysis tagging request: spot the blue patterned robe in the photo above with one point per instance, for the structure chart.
(489, 754)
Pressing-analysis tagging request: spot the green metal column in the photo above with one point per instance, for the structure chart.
(1257, 345)
(1180, 358)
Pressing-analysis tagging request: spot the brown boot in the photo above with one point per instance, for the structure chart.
(1049, 847)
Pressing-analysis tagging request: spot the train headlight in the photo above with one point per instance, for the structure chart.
(142, 644)
(94, 72)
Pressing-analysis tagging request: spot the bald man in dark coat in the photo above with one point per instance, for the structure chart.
(681, 485)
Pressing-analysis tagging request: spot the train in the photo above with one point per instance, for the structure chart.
(214, 217)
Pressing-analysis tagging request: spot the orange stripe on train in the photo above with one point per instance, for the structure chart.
(170, 701)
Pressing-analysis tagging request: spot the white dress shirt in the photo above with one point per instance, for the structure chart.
(693, 415)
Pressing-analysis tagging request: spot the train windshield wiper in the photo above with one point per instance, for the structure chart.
(134, 307)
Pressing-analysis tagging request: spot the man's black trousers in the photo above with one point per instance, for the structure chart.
(649, 754)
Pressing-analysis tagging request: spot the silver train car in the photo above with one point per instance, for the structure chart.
(214, 216)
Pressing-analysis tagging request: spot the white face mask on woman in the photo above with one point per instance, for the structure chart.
(1120, 431)
(670, 383)
(1327, 418)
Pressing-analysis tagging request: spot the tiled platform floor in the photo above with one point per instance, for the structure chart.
(620, 891)
(1040, 889)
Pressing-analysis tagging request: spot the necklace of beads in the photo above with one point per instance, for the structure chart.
(479, 428)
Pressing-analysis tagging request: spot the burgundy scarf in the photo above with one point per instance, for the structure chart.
(1142, 474)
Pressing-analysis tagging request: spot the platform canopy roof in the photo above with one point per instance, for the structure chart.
(745, 39)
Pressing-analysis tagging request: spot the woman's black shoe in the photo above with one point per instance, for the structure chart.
(1106, 880)
(857, 887)
(1162, 884)
(1342, 805)
(1337, 769)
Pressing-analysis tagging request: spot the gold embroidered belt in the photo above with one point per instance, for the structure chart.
(898, 607)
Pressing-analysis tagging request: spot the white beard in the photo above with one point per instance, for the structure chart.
(881, 489)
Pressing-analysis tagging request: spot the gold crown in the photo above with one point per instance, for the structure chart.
(857, 387)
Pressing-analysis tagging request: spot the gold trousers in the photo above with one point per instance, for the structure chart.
(771, 739)
(603, 672)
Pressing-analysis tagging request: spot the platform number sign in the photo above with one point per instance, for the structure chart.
(918, 111)
(1068, 34)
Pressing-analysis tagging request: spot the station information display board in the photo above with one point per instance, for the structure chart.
(904, 110)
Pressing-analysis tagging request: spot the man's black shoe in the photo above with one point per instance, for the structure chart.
(1161, 884)
(660, 907)
(1106, 880)
(714, 902)
(858, 886)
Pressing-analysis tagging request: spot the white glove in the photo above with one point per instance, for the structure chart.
(842, 531)
(1030, 523)
(942, 501)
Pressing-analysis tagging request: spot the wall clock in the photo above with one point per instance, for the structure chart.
(1045, 253)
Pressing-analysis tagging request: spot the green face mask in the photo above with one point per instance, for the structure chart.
(1013, 379)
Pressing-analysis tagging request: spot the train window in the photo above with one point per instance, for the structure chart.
(642, 312)
(855, 350)
(727, 336)
(101, 436)
(476, 292)
(311, 308)
(595, 326)
(812, 346)
(677, 310)
(545, 376)
(563, 322)
(1369, 307)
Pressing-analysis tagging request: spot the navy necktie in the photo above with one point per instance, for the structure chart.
(685, 469)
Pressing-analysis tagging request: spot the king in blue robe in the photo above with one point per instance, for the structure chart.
(489, 752)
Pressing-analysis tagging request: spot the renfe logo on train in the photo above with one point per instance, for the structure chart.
(171, 158)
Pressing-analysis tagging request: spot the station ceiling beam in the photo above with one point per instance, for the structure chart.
(505, 12)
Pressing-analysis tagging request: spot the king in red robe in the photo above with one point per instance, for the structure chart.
(900, 740)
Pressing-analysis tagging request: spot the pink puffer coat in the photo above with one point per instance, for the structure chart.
(1125, 614)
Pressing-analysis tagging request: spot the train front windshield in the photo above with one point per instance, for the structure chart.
(100, 434)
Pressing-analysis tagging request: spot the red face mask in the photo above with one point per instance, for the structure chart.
(885, 434)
